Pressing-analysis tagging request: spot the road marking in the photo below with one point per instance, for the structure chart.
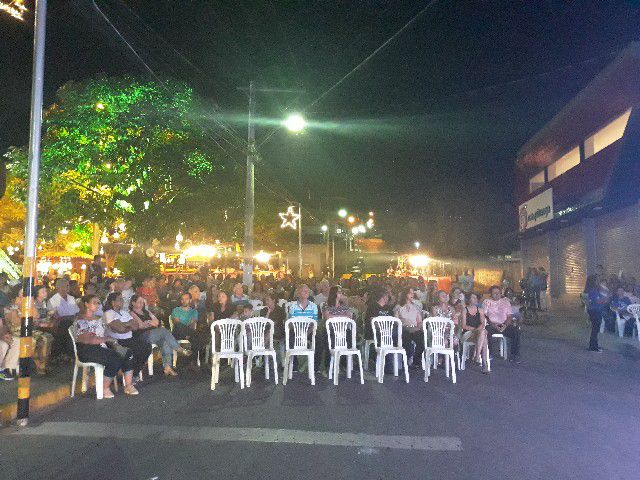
(231, 434)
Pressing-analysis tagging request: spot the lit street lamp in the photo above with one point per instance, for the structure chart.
(295, 123)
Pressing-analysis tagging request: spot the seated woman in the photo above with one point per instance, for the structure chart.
(94, 346)
(411, 317)
(9, 341)
(444, 309)
(120, 327)
(148, 328)
(473, 326)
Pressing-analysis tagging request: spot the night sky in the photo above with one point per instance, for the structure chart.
(425, 133)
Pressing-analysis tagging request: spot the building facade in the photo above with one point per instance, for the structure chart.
(578, 182)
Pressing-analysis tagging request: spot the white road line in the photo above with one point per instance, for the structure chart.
(230, 434)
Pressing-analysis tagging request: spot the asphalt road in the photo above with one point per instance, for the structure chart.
(563, 413)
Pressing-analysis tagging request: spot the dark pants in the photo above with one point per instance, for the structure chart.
(417, 337)
(596, 317)
(62, 343)
(512, 332)
(112, 362)
(197, 339)
(140, 351)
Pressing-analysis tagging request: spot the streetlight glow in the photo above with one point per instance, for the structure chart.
(417, 245)
(351, 219)
(342, 213)
(295, 123)
(324, 228)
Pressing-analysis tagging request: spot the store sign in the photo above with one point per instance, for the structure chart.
(536, 211)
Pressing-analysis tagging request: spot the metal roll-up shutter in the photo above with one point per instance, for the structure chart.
(535, 252)
(572, 249)
(618, 241)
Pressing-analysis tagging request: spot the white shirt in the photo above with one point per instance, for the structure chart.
(63, 307)
(122, 316)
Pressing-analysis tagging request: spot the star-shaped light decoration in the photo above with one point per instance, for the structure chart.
(289, 218)
(15, 8)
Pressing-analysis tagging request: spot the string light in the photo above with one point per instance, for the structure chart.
(14, 8)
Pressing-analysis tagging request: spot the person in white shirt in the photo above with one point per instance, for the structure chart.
(323, 293)
(120, 327)
(63, 310)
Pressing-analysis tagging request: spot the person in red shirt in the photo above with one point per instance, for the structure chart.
(148, 292)
(499, 315)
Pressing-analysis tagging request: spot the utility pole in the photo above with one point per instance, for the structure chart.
(31, 224)
(300, 240)
(249, 213)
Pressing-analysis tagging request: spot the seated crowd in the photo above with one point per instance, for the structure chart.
(116, 323)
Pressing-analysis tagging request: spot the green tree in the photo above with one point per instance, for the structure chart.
(119, 149)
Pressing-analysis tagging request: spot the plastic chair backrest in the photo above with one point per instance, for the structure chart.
(72, 334)
(254, 333)
(228, 330)
(340, 327)
(300, 327)
(384, 326)
(282, 302)
(442, 330)
(255, 303)
(634, 309)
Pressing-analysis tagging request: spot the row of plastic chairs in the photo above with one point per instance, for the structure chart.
(633, 310)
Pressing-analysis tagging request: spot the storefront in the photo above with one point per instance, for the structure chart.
(577, 183)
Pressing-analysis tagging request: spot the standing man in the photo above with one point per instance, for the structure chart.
(500, 320)
(96, 270)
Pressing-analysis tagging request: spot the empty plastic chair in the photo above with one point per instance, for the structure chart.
(338, 331)
(258, 342)
(383, 337)
(229, 348)
(438, 339)
(304, 345)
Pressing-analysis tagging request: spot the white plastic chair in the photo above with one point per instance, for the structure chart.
(504, 350)
(385, 326)
(339, 346)
(255, 345)
(467, 347)
(97, 368)
(620, 322)
(441, 330)
(301, 348)
(282, 302)
(230, 348)
(634, 309)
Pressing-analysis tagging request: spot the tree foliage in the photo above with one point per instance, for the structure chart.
(121, 149)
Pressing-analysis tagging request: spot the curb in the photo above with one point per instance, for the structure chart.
(9, 411)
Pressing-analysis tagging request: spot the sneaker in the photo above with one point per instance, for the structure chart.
(515, 359)
(6, 376)
(597, 350)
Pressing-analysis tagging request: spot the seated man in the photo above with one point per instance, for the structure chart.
(238, 296)
(500, 320)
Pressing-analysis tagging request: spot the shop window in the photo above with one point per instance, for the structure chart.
(606, 135)
(536, 182)
(564, 163)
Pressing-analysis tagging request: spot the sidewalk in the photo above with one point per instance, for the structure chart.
(46, 391)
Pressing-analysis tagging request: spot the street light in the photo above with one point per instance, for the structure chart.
(324, 228)
(351, 219)
(342, 213)
(295, 123)
(417, 245)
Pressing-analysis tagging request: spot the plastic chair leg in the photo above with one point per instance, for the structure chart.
(360, 365)
(73, 381)
(453, 369)
(266, 367)
(335, 366)
(395, 365)
(312, 369)
(85, 379)
(275, 368)
(99, 373)
(349, 365)
(150, 364)
(215, 366)
(331, 362)
(406, 367)
(381, 368)
(175, 359)
(248, 374)
(240, 369)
